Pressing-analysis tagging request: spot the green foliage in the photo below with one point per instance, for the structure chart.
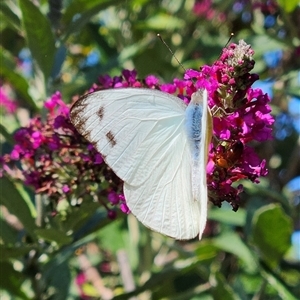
(232, 243)
(8, 71)
(42, 49)
(11, 281)
(288, 6)
(271, 232)
(17, 205)
(244, 255)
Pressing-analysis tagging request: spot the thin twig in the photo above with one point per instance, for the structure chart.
(126, 273)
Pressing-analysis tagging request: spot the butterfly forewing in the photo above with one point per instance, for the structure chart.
(128, 127)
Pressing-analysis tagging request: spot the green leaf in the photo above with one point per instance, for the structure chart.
(79, 215)
(26, 197)
(8, 235)
(80, 6)
(293, 87)
(111, 236)
(59, 58)
(53, 235)
(271, 233)
(13, 252)
(161, 22)
(277, 283)
(263, 43)
(79, 12)
(89, 290)
(20, 84)
(10, 12)
(58, 280)
(288, 5)
(11, 198)
(39, 35)
(160, 281)
(132, 50)
(8, 137)
(11, 280)
(263, 190)
(221, 289)
(65, 252)
(97, 221)
(232, 243)
(206, 250)
(227, 216)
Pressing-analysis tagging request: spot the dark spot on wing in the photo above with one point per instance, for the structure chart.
(95, 144)
(76, 113)
(78, 107)
(86, 135)
(76, 116)
(111, 138)
(80, 125)
(100, 113)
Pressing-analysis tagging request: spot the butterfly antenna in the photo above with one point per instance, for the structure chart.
(229, 39)
(180, 64)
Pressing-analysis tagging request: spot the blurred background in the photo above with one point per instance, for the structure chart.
(81, 253)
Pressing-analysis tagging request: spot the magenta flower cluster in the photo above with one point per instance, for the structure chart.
(241, 115)
(57, 162)
(60, 163)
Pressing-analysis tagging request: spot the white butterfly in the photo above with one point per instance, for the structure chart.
(158, 146)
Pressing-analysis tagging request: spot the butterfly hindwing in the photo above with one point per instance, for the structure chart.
(165, 202)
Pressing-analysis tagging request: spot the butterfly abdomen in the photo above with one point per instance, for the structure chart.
(193, 117)
(194, 114)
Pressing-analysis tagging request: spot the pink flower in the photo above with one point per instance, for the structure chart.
(130, 76)
(124, 208)
(65, 188)
(111, 214)
(80, 279)
(15, 154)
(151, 81)
(98, 159)
(113, 198)
(168, 88)
(5, 100)
(52, 102)
(55, 102)
(37, 139)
